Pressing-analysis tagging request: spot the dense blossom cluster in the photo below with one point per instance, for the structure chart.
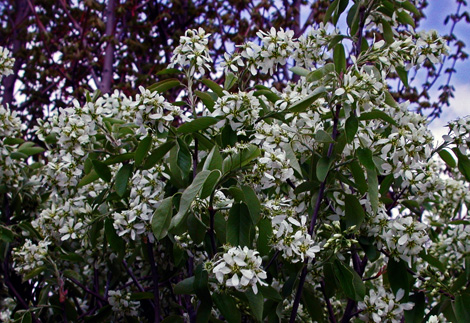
(247, 185)
(192, 52)
(239, 268)
(383, 306)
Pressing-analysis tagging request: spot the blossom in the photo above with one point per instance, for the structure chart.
(122, 304)
(383, 306)
(30, 256)
(192, 52)
(239, 268)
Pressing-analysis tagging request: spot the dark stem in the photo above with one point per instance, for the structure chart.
(298, 295)
(271, 261)
(349, 308)
(211, 229)
(313, 222)
(156, 295)
(89, 291)
(195, 157)
(331, 314)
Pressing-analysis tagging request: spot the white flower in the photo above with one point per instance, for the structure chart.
(240, 268)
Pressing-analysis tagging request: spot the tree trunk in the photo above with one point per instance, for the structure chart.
(22, 12)
(107, 75)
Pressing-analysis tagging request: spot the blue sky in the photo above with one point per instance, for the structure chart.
(460, 104)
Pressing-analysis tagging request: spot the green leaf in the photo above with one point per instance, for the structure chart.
(252, 202)
(213, 160)
(462, 306)
(398, 276)
(416, 314)
(161, 218)
(351, 127)
(410, 7)
(323, 167)
(167, 71)
(30, 151)
(353, 19)
(313, 304)
(305, 103)
(365, 157)
(196, 229)
(241, 159)
(447, 158)
(88, 178)
(321, 72)
(183, 157)
(188, 197)
(403, 74)
(18, 155)
(405, 18)
(227, 306)
(185, 287)
(373, 182)
(116, 242)
(264, 236)
(142, 150)
(6, 234)
(210, 183)
(102, 170)
(198, 124)
(230, 80)
(13, 141)
(349, 280)
(323, 137)
(339, 58)
(35, 272)
(354, 212)
(377, 114)
(239, 227)
(157, 154)
(256, 302)
(331, 8)
(206, 99)
(433, 261)
(387, 32)
(214, 87)
(119, 158)
(122, 177)
(270, 95)
(164, 85)
(463, 164)
(299, 71)
(290, 155)
(333, 42)
(358, 175)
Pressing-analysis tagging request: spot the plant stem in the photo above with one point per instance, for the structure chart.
(331, 314)
(313, 222)
(156, 294)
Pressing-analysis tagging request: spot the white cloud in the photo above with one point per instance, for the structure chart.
(459, 107)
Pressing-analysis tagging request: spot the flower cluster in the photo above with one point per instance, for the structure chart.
(239, 268)
(239, 110)
(404, 237)
(383, 306)
(192, 52)
(30, 256)
(122, 304)
(6, 62)
(459, 134)
(146, 192)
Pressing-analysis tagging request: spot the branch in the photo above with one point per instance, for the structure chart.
(156, 294)
(107, 75)
(313, 222)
